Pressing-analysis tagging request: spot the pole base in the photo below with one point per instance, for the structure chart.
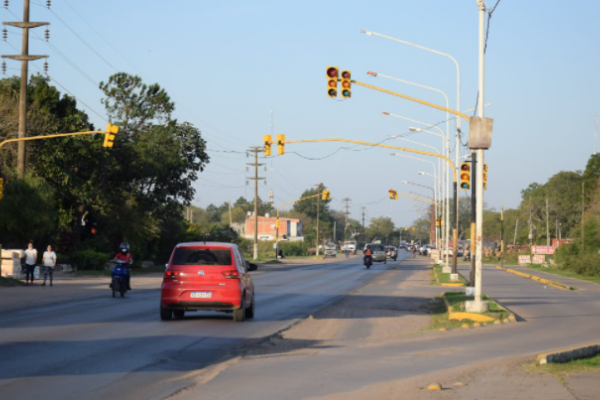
(477, 306)
(446, 270)
(470, 291)
(454, 277)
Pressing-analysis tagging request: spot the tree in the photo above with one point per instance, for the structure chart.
(381, 228)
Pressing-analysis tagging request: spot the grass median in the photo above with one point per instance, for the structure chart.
(439, 277)
(565, 273)
(562, 370)
(440, 317)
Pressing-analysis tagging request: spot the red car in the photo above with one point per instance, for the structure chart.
(207, 276)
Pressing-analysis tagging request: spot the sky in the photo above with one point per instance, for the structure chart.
(241, 69)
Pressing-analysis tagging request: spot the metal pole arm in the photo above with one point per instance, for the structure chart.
(426, 153)
(426, 103)
(58, 135)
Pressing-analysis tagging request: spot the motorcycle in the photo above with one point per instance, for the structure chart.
(368, 261)
(119, 275)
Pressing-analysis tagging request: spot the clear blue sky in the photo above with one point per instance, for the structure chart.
(227, 64)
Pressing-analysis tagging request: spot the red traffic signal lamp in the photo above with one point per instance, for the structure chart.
(465, 176)
(346, 84)
(332, 80)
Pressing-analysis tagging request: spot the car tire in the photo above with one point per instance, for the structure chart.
(178, 314)
(165, 314)
(250, 310)
(239, 315)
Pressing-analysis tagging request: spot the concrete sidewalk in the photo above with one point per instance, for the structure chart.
(67, 288)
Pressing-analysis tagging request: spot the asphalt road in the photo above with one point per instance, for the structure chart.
(118, 348)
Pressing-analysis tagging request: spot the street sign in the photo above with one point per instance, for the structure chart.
(524, 260)
(542, 250)
(538, 259)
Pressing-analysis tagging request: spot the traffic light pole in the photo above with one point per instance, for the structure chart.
(426, 153)
(473, 216)
(58, 135)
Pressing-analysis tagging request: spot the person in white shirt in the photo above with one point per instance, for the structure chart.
(49, 261)
(30, 260)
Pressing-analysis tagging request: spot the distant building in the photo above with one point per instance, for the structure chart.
(289, 228)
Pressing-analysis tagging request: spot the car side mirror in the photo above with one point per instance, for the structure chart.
(252, 267)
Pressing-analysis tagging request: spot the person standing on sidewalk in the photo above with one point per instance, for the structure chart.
(49, 261)
(30, 260)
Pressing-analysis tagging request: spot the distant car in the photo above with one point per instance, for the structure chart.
(391, 252)
(208, 276)
(379, 254)
(330, 252)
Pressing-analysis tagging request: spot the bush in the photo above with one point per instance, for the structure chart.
(296, 248)
(90, 259)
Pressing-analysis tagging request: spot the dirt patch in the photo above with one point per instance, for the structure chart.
(362, 315)
(498, 380)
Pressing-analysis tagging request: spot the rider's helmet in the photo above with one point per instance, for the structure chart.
(368, 246)
(124, 247)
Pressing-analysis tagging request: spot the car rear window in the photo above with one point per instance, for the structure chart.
(377, 248)
(204, 256)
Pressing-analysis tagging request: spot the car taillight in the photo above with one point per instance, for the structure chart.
(171, 273)
(231, 274)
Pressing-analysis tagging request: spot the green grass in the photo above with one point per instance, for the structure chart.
(444, 278)
(560, 371)
(457, 301)
(439, 317)
(566, 273)
(7, 282)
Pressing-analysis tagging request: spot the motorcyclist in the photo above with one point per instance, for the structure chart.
(368, 253)
(125, 256)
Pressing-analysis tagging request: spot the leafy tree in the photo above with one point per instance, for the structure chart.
(380, 228)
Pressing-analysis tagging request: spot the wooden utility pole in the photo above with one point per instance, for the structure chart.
(582, 216)
(24, 57)
(501, 236)
(547, 225)
(256, 150)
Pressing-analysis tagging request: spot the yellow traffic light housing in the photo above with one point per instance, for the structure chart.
(485, 176)
(332, 81)
(109, 136)
(465, 176)
(393, 194)
(1, 188)
(277, 224)
(267, 140)
(326, 195)
(280, 144)
(346, 84)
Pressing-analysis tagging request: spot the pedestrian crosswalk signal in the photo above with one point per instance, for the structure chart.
(465, 176)
(332, 81)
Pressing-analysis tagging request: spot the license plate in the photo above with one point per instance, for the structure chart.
(201, 295)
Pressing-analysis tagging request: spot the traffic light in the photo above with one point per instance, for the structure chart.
(1, 188)
(326, 195)
(267, 139)
(485, 176)
(332, 80)
(280, 144)
(393, 194)
(465, 176)
(277, 224)
(109, 136)
(346, 84)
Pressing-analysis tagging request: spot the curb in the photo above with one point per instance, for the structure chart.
(437, 280)
(537, 278)
(458, 316)
(569, 354)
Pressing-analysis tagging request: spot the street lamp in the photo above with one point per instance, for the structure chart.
(433, 190)
(445, 173)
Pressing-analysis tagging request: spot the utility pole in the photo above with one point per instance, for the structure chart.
(318, 217)
(516, 227)
(363, 217)
(582, 216)
(24, 57)
(473, 216)
(256, 150)
(346, 212)
(230, 219)
(501, 236)
(547, 225)
(595, 135)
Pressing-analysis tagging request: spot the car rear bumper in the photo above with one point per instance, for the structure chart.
(178, 297)
(204, 305)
